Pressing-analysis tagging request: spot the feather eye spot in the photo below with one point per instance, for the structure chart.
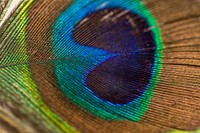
(111, 65)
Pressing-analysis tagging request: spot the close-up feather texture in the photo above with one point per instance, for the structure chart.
(99, 66)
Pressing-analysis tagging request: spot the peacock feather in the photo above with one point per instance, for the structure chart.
(99, 66)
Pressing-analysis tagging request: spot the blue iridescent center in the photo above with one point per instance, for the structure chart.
(121, 78)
